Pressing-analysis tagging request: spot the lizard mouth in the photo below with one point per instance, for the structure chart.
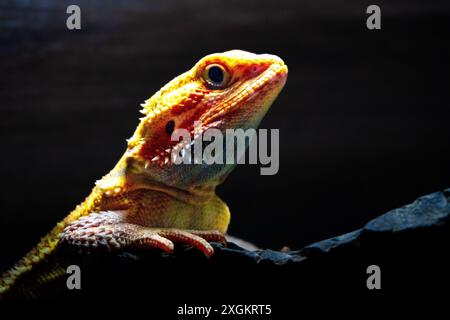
(268, 83)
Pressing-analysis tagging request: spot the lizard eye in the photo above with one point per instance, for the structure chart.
(216, 76)
(170, 126)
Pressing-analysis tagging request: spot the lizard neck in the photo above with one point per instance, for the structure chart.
(127, 176)
(196, 195)
(162, 205)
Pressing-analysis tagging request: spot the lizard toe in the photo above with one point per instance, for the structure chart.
(188, 238)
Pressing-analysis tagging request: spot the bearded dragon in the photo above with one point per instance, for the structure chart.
(146, 201)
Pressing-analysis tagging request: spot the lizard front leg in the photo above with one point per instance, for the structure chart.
(110, 230)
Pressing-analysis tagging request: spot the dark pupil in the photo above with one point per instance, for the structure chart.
(215, 74)
(170, 126)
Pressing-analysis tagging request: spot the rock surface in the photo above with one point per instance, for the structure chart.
(409, 244)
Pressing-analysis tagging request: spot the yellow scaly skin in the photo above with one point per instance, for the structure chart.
(146, 201)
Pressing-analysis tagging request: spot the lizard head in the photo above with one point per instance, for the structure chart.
(227, 90)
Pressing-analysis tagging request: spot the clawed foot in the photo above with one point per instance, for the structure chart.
(164, 239)
(105, 230)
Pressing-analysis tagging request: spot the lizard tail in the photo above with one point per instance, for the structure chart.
(44, 248)
(32, 258)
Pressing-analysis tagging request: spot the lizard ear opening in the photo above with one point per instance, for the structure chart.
(170, 127)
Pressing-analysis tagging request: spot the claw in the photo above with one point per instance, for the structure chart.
(156, 241)
(210, 235)
(189, 238)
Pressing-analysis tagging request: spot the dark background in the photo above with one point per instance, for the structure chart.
(363, 119)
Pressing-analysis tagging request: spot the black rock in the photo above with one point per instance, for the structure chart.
(409, 244)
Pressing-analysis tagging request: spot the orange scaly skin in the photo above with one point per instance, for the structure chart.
(146, 201)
